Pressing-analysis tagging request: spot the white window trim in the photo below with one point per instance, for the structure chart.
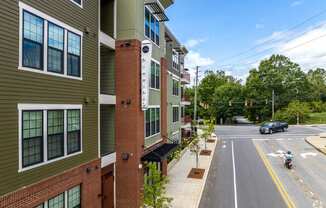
(174, 77)
(47, 18)
(150, 107)
(149, 38)
(80, 5)
(45, 108)
(175, 54)
(155, 89)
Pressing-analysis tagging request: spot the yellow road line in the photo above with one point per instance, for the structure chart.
(287, 199)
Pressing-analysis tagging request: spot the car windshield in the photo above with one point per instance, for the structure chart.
(267, 124)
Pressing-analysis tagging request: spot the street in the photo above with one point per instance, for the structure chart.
(247, 170)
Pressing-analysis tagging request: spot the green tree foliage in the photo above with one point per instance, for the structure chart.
(155, 189)
(317, 79)
(296, 111)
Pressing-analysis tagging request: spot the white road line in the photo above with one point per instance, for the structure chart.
(234, 179)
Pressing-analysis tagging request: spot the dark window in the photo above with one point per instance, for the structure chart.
(73, 137)
(74, 50)
(55, 48)
(153, 28)
(157, 76)
(182, 112)
(175, 90)
(55, 134)
(157, 120)
(153, 74)
(32, 144)
(147, 22)
(153, 128)
(78, 2)
(148, 122)
(175, 114)
(74, 197)
(57, 202)
(32, 41)
(157, 32)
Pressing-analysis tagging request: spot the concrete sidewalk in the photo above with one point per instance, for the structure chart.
(319, 142)
(186, 192)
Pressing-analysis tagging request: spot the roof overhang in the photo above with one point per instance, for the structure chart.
(181, 49)
(161, 153)
(157, 10)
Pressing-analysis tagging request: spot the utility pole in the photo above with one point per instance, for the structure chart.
(273, 104)
(195, 101)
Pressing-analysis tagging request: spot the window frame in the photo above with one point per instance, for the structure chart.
(154, 109)
(155, 29)
(175, 93)
(81, 5)
(157, 76)
(178, 116)
(46, 20)
(45, 108)
(50, 47)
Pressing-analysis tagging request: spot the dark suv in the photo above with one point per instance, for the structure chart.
(273, 126)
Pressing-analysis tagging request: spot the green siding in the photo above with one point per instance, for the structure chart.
(107, 129)
(29, 87)
(107, 71)
(172, 100)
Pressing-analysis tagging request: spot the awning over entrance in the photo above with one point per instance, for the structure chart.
(158, 10)
(160, 153)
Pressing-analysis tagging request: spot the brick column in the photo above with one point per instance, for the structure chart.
(129, 122)
(164, 113)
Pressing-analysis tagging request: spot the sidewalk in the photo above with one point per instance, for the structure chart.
(186, 192)
(319, 142)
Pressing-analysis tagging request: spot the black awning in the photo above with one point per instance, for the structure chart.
(160, 153)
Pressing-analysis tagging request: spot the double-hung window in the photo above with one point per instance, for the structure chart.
(49, 46)
(152, 121)
(78, 2)
(152, 27)
(155, 75)
(175, 60)
(175, 112)
(48, 133)
(175, 87)
(33, 40)
(55, 48)
(68, 199)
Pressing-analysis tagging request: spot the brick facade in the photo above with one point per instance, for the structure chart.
(88, 175)
(129, 122)
(164, 108)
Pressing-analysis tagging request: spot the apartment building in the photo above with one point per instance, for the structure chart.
(74, 130)
(49, 104)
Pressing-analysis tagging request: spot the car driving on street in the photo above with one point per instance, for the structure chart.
(273, 126)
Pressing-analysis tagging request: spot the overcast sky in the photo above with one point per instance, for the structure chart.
(234, 35)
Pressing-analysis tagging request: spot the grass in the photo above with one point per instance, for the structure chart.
(316, 118)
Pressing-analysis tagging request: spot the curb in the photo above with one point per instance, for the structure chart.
(314, 146)
(205, 177)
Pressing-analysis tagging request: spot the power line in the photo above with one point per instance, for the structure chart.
(271, 40)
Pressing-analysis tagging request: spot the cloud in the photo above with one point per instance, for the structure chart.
(260, 26)
(297, 3)
(191, 43)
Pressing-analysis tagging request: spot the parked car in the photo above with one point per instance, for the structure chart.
(273, 126)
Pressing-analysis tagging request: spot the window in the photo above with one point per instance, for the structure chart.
(152, 27)
(73, 54)
(152, 121)
(33, 27)
(55, 48)
(74, 197)
(175, 60)
(55, 134)
(67, 199)
(175, 114)
(57, 202)
(32, 144)
(61, 135)
(155, 75)
(73, 138)
(49, 46)
(78, 2)
(182, 112)
(175, 87)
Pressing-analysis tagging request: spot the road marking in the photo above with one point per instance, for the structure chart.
(304, 155)
(234, 179)
(224, 146)
(287, 199)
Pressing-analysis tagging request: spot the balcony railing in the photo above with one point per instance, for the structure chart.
(185, 77)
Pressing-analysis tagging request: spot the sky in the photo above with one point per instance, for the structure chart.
(235, 35)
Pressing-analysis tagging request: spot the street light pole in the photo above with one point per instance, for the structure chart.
(195, 101)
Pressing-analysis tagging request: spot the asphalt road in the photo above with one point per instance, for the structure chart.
(238, 177)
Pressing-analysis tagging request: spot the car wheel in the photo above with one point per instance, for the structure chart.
(270, 131)
(283, 130)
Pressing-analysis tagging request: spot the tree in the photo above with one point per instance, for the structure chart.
(317, 79)
(298, 109)
(155, 189)
(195, 148)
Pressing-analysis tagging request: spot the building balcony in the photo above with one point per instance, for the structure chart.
(185, 100)
(185, 77)
(108, 23)
(107, 76)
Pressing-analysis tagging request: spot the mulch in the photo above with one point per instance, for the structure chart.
(196, 173)
(210, 140)
(205, 152)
